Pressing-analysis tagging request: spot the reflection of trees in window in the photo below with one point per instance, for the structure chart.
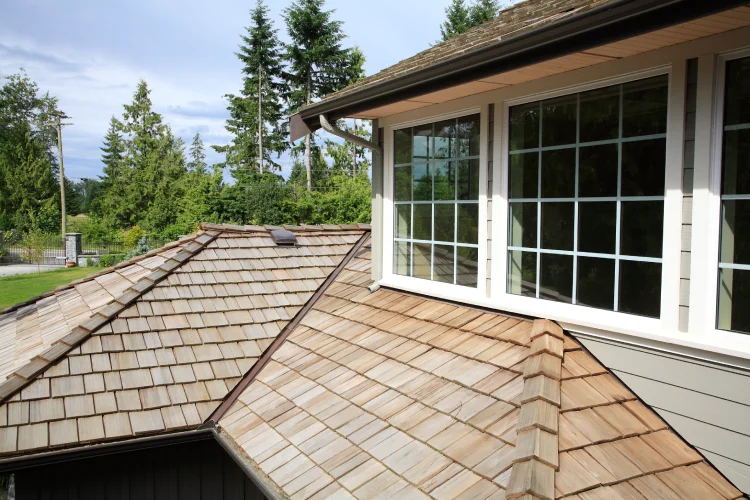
(436, 181)
(734, 251)
(586, 191)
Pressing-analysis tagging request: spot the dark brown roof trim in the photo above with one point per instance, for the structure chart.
(607, 23)
(70, 454)
(282, 336)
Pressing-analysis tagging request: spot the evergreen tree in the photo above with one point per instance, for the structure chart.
(318, 64)
(457, 21)
(201, 201)
(146, 186)
(460, 17)
(113, 205)
(29, 192)
(197, 154)
(482, 11)
(256, 114)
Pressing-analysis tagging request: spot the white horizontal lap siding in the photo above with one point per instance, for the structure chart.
(708, 404)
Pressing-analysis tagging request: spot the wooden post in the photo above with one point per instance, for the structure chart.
(63, 227)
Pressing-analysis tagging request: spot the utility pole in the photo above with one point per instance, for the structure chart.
(58, 126)
(354, 152)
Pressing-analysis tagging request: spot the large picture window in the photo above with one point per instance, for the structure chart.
(734, 251)
(586, 187)
(436, 196)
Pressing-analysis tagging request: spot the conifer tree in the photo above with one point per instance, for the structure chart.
(457, 21)
(256, 113)
(318, 64)
(115, 179)
(201, 201)
(482, 11)
(460, 17)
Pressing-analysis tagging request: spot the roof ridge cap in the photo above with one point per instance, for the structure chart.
(537, 456)
(264, 359)
(235, 228)
(67, 286)
(26, 374)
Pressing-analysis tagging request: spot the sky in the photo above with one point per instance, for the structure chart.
(92, 53)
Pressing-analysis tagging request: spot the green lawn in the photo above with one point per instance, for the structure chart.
(15, 289)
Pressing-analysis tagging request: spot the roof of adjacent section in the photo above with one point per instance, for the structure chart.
(387, 394)
(327, 390)
(510, 23)
(29, 328)
(170, 344)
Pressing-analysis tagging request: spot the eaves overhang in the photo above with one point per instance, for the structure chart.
(600, 25)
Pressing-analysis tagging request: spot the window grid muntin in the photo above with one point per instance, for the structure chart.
(617, 256)
(457, 158)
(723, 198)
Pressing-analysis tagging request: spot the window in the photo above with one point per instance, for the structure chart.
(734, 249)
(586, 187)
(436, 196)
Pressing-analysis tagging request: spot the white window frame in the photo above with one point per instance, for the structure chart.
(579, 315)
(427, 286)
(707, 206)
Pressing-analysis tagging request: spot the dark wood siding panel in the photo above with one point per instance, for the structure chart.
(191, 471)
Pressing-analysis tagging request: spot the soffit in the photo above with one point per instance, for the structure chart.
(692, 30)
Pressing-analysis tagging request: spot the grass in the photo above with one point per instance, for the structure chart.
(20, 288)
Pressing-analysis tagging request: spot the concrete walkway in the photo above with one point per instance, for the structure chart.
(14, 269)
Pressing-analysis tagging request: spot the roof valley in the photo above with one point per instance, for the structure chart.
(248, 378)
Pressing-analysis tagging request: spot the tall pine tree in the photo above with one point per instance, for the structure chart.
(256, 113)
(116, 178)
(201, 202)
(318, 64)
(460, 17)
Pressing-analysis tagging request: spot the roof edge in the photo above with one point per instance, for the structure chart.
(134, 260)
(234, 228)
(26, 374)
(600, 25)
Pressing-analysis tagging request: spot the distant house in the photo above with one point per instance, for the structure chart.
(527, 317)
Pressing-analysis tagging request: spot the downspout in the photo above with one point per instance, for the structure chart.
(375, 148)
(332, 129)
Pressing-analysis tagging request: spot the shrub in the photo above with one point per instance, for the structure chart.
(132, 237)
(105, 261)
(89, 262)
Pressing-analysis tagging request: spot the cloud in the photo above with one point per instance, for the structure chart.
(24, 57)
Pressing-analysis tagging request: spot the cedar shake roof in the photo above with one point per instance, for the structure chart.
(29, 328)
(385, 394)
(165, 352)
(510, 23)
(326, 390)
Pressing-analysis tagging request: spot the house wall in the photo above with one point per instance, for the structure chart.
(696, 377)
(688, 156)
(688, 161)
(707, 403)
(199, 470)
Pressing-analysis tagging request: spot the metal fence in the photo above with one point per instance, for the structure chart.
(11, 249)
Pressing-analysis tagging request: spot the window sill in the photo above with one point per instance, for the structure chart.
(653, 333)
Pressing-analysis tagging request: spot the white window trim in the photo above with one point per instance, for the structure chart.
(707, 205)
(664, 334)
(581, 315)
(419, 285)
